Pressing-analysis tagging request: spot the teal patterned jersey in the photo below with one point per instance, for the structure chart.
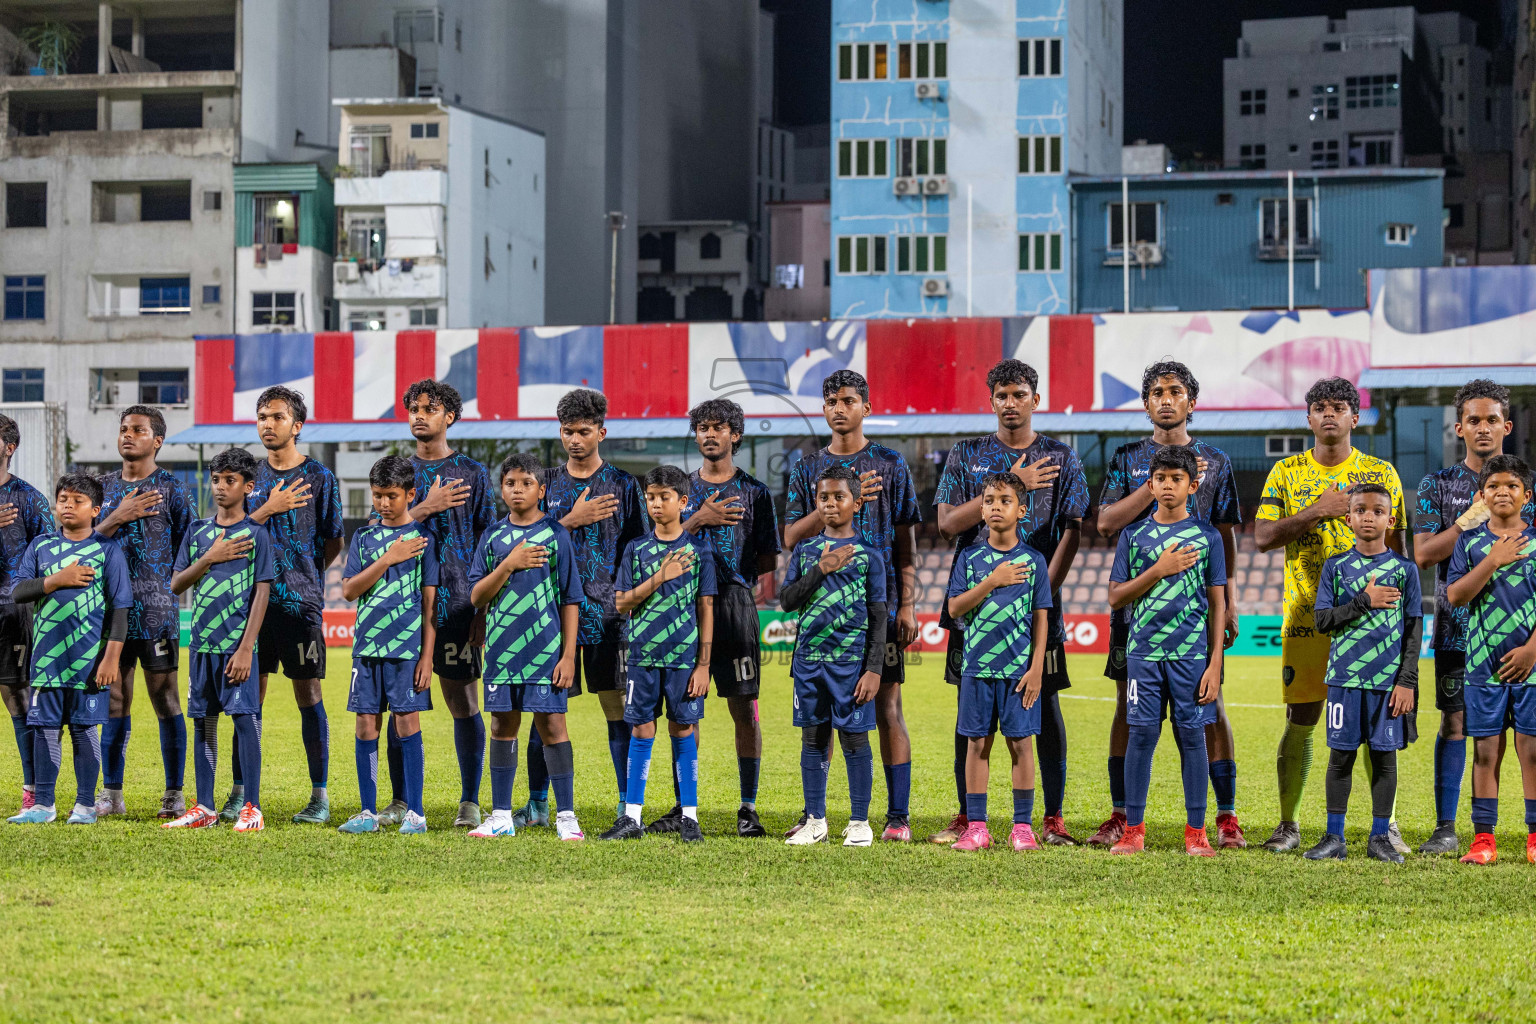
(1168, 622)
(1504, 613)
(833, 623)
(664, 631)
(999, 632)
(69, 626)
(522, 622)
(1367, 652)
(221, 600)
(389, 612)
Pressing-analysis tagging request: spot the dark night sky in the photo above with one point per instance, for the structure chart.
(1173, 55)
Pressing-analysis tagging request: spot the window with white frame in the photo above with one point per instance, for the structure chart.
(1146, 225)
(424, 317)
(861, 254)
(1039, 252)
(922, 254)
(1325, 102)
(1399, 234)
(1252, 102)
(1279, 446)
(1274, 224)
(1325, 153)
(862, 62)
(1364, 91)
(1039, 58)
(862, 158)
(365, 320)
(920, 157)
(922, 60)
(1039, 154)
(273, 309)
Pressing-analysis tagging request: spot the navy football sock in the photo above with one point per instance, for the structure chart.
(413, 755)
(1485, 813)
(1530, 815)
(237, 754)
(205, 757)
(368, 774)
(1196, 772)
(815, 761)
(561, 765)
(503, 773)
(677, 790)
(315, 728)
(114, 742)
(25, 747)
(619, 742)
(1051, 750)
(1023, 806)
(1224, 785)
(1450, 766)
(685, 766)
(86, 743)
(469, 745)
(1117, 782)
(538, 767)
(633, 787)
(173, 750)
(47, 758)
(248, 736)
(1336, 823)
(859, 759)
(962, 744)
(898, 789)
(396, 763)
(976, 806)
(1138, 771)
(747, 771)
(1379, 825)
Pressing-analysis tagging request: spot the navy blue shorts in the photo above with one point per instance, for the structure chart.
(824, 693)
(992, 705)
(533, 698)
(1358, 717)
(53, 707)
(1492, 708)
(386, 684)
(1152, 687)
(210, 691)
(649, 687)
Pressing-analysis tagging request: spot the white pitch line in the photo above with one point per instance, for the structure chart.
(1230, 704)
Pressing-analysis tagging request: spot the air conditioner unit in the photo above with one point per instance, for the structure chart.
(906, 186)
(935, 287)
(929, 91)
(1148, 253)
(346, 273)
(938, 186)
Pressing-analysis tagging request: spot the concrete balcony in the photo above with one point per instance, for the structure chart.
(394, 188)
(424, 280)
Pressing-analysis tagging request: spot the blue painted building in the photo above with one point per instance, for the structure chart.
(954, 127)
(1218, 240)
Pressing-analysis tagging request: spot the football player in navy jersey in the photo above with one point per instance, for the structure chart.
(297, 499)
(884, 521)
(1169, 391)
(454, 505)
(1058, 497)
(145, 510)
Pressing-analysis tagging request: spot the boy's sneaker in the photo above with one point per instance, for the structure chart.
(1229, 834)
(952, 834)
(1285, 838)
(1379, 847)
(232, 806)
(359, 823)
(1484, 850)
(624, 827)
(688, 830)
(748, 824)
(37, 814)
(672, 821)
(1330, 847)
(789, 833)
(1110, 832)
(1395, 837)
(316, 812)
(499, 823)
(858, 833)
(1022, 837)
(173, 804)
(975, 837)
(198, 817)
(1132, 840)
(1196, 844)
(814, 830)
(533, 813)
(110, 802)
(1441, 841)
(469, 814)
(28, 798)
(250, 820)
(413, 825)
(82, 815)
(393, 813)
(567, 829)
(1054, 831)
(897, 830)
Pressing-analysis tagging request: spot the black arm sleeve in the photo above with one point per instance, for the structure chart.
(874, 637)
(1331, 620)
(798, 594)
(1408, 666)
(28, 591)
(118, 628)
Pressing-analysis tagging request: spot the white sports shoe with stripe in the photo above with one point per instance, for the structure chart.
(498, 824)
(813, 831)
(567, 827)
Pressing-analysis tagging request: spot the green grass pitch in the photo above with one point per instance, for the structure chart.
(298, 923)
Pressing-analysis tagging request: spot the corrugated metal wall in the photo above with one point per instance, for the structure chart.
(41, 457)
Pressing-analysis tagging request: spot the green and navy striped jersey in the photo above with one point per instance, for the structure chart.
(833, 624)
(69, 626)
(1168, 622)
(999, 632)
(221, 600)
(664, 631)
(1367, 652)
(1503, 614)
(522, 622)
(389, 613)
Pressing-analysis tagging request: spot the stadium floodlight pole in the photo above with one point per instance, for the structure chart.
(615, 225)
(1290, 239)
(1125, 242)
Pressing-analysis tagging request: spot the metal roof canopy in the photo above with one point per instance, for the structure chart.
(1446, 376)
(1129, 421)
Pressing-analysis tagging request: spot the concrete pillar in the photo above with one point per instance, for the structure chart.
(138, 33)
(679, 297)
(103, 39)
